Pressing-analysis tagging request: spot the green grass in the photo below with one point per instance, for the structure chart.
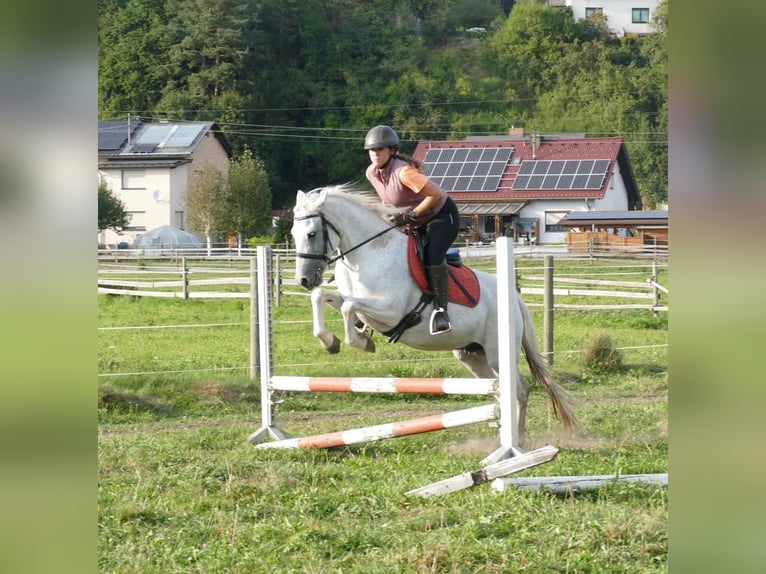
(180, 490)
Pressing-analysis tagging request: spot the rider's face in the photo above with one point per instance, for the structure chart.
(380, 155)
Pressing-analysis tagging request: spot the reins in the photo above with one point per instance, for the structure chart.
(341, 254)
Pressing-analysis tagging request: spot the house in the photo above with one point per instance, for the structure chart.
(522, 186)
(621, 16)
(615, 230)
(148, 165)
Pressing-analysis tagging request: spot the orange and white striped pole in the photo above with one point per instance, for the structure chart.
(390, 430)
(458, 386)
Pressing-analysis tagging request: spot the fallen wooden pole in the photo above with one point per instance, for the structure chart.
(573, 484)
(493, 471)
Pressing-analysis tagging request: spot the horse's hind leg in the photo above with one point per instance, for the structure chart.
(522, 396)
(475, 360)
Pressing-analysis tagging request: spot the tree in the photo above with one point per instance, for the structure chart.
(247, 209)
(111, 210)
(131, 49)
(205, 197)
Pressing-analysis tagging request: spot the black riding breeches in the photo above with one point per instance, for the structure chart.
(440, 232)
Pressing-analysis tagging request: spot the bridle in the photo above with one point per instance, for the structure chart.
(327, 246)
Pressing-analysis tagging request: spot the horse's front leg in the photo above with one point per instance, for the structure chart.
(319, 297)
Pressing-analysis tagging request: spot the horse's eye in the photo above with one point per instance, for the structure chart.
(312, 234)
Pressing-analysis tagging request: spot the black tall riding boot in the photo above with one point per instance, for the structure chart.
(439, 277)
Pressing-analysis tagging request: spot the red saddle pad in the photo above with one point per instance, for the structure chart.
(464, 286)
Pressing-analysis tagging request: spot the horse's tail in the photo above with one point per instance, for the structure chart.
(557, 394)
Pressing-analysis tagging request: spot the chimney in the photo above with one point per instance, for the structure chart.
(535, 144)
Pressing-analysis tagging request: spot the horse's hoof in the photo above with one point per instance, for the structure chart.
(369, 346)
(334, 348)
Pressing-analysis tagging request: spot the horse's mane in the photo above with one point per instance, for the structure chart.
(367, 199)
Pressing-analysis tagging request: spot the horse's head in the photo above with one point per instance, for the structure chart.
(311, 238)
(321, 226)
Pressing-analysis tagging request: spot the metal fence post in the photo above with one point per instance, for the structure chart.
(184, 278)
(254, 362)
(548, 307)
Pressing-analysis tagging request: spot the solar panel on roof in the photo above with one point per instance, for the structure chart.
(184, 135)
(466, 169)
(111, 140)
(112, 134)
(561, 174)
(143, 148)
(155, 134)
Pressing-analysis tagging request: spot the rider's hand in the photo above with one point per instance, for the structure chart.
(404, 218)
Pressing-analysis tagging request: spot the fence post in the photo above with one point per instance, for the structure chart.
(655, 291)
(278, 280)
(254, 362)
(184, 278)
(548, 307)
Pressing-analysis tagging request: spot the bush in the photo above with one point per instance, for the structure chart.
(257, 240)
(601, 355)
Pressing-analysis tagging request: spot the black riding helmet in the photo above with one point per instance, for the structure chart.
(381, 136)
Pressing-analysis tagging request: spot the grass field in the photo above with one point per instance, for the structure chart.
(180, 490)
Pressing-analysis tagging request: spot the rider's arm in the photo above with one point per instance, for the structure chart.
(419, 183)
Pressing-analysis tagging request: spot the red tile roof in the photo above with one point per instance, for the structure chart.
(548, 149)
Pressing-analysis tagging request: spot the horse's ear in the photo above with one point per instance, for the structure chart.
(300, 197)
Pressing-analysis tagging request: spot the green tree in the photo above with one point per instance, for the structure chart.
(131, 51)
(205, 202)
(530, 44)
(207, 50)
(247, 209)
(111, 210)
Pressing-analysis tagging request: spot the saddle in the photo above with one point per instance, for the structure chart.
(464, 286)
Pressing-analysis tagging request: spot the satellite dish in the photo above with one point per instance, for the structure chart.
(158, 195)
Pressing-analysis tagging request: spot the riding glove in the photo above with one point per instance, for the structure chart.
(405, 218)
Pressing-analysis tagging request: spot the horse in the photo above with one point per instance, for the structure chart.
(353, 229)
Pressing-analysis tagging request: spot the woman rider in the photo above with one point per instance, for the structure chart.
(398, 181)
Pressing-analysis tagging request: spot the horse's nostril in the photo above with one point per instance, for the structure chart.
(304, 282)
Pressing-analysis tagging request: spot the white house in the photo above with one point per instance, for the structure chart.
(622, 16)
(148, 165)
(522, 186)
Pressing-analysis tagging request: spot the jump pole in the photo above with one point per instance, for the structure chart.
(390, 430)
(385, 385)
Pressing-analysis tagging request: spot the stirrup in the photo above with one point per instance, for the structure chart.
(439, 316)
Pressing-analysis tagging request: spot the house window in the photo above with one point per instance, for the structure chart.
(640, 15)
(133, 179)
(136, 221)
(552, 219)
(178, 220)
(593, 11)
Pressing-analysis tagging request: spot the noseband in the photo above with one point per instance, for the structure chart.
(326, 240)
